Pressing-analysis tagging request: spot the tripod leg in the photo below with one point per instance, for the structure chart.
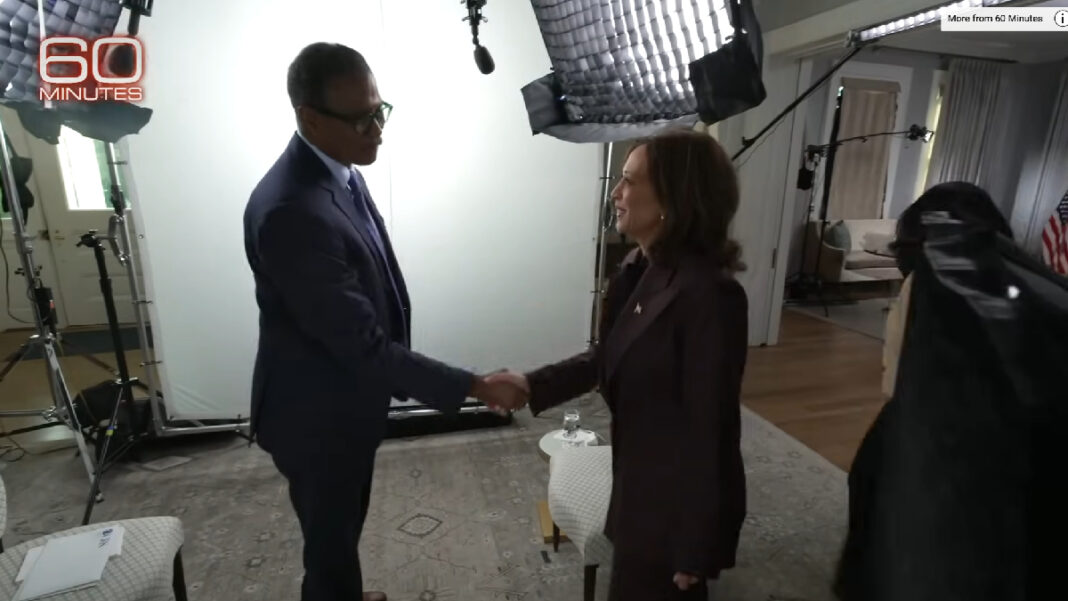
(13, 360)
(823, 299)
(102, 456)
(64, 404)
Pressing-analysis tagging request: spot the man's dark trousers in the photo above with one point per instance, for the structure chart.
(330, 489)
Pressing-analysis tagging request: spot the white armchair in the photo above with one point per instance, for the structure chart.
(149, 568)
(3, 513)
(580, 486)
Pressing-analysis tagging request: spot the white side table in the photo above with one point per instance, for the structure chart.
(556, 440)
(547, 446)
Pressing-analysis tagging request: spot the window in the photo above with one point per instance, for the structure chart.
(859, 182)
(934, 111)
(86, 177)
(925, 162)
(84, 166)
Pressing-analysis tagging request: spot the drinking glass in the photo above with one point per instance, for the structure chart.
(571, 423)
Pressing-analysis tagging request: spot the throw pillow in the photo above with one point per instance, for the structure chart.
(837, 235)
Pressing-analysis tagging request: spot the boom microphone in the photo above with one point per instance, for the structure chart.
(482, 55)
(484, 60)
(917, 132)
(123, 58)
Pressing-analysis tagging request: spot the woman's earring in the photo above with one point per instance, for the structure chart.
(661, 217)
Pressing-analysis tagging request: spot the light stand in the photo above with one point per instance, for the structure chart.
(124, 395)
(62, 409)
(828, 178)
(604, 223)
(118, 228)
(808, 281)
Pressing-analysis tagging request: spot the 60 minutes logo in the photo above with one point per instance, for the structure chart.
(73, 68)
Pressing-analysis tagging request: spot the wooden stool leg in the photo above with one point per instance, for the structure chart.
(180, 593)
(589, 582)
(556, 538)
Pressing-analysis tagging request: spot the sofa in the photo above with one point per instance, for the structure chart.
(854, 250)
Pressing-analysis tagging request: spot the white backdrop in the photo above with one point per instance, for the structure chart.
(493, 227)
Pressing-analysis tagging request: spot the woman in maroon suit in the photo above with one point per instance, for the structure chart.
(673, 348)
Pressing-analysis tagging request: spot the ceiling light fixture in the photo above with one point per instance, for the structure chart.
(916, 20)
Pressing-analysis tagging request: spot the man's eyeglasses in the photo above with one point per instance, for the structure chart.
(361, 123)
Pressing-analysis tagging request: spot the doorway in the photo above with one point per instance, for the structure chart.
(70, 185)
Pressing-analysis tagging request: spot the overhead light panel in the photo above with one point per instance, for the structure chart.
(20, 38)
(619, 64)
(20, 44)
(917, 20)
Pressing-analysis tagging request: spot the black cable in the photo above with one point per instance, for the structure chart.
(5, 450)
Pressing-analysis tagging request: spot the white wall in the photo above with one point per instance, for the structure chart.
(493, 226)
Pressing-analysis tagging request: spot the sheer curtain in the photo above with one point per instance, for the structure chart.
(1041, 190)
(1016, 143)
(1004, 127)
(961, 137)
(858, 187)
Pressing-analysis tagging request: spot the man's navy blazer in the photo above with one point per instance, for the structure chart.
(333, 346)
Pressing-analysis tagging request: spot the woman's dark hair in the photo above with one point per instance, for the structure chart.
(316, 67)
(697, 186)
(959, 200)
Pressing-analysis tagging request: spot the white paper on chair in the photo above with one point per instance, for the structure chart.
(68, 563)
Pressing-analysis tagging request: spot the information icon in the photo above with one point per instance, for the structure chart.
(1061, 18)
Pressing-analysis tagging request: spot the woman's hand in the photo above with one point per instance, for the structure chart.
(511, 391)
(685, 581)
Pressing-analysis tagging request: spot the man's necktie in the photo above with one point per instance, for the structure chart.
(360, 199)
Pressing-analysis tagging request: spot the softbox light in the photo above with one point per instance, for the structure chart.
(623, 69)
(20, 41)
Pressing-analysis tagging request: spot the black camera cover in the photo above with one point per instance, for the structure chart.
(958, 490)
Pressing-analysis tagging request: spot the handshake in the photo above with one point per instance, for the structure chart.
(502, 391)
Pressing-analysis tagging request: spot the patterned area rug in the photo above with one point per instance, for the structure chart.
(453, 516)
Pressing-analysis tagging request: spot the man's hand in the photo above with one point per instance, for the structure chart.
(685, 581)
(502, 391)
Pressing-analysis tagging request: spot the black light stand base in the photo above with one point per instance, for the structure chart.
(424, 425)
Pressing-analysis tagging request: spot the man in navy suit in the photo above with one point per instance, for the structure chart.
(334, 318)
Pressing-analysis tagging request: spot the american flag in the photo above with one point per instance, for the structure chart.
(1055, 238)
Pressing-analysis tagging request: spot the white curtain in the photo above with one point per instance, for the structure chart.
(858, 187)
(961, 137)
(1036, 202)
(1017, 136)
(1004, 127)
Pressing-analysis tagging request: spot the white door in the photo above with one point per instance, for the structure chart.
(71, 183)
(74, 193)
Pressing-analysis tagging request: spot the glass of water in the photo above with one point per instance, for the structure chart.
(571, 423)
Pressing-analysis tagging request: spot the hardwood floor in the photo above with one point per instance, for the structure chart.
(26, 387)
(820, 384)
